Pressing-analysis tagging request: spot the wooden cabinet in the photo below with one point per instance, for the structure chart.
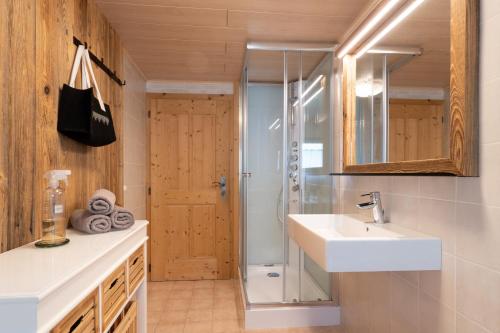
(84, 318)
(135, 269)
(113, 295)
(127, 321)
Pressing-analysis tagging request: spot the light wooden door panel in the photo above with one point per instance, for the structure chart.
(190, 152)
(415, 130)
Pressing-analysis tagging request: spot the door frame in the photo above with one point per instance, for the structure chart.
(234, 167)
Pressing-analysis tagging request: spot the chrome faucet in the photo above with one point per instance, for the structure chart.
(375, 203)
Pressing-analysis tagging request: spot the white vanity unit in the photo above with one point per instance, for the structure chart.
(95, 283)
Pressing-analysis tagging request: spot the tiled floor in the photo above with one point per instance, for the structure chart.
(201, 307)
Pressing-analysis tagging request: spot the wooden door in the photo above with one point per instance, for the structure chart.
(190, 152)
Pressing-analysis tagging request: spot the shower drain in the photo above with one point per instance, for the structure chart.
(273, 274)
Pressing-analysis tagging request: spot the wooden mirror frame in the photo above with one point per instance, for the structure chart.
(464, 118)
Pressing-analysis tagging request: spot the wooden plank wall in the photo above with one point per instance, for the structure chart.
(36, 55)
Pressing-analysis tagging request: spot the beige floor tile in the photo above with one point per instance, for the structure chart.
(195, 316)
(224, 304)
(202, 307)
(276, 330)
(154, 317)
(174, 317)
(160, 286)
(183, 285)
(226, 326)
(224, 314)
(156, 305)
(203, 284)
(203, 294)
(177, 304)
(180, 294)
(201, 304)
(200, 327)
(327, 329)
(158, 295)
(224, 294)
(224, 284)
(169, 328)
(151, 327)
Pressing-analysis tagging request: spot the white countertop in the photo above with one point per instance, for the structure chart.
(32, 273)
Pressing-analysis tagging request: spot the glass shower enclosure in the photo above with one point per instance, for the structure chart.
(286, 156)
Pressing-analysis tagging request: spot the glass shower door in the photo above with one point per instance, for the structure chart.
(292, 176)
(309, 107)
(286, 161)
(263, 165)
(317, 163)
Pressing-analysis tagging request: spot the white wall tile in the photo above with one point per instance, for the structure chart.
(441, 284)
(478, 294)
(489, 9)
(490, 49)
(438, 187)
(465, 325)
(437, 218)
(483, 189)
(478, 234)
(488, 121)
(407, 185)
(435, 317)
(404, 306)
(402, 210)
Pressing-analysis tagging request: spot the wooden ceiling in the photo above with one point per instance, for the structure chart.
(204, 40)
(428, 28)
(267, 66)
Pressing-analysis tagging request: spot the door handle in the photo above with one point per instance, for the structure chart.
(222, 185)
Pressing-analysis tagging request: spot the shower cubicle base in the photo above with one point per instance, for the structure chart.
(264, 284)
(262, 316)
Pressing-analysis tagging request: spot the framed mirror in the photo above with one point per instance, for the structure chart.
(411, 100)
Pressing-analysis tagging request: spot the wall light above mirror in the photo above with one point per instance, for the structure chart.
(410, 90)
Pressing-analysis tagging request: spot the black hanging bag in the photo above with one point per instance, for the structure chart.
(82, 116)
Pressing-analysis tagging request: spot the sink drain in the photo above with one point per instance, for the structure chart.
(273, 275)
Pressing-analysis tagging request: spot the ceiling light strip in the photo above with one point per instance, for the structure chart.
(396, 50)
(370, 25)
(277, 46)
(313, 95)
(388, 28)
(304, 94)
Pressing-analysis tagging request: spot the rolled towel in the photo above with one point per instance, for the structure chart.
(85, 221)
(102, 202)
(121, 218)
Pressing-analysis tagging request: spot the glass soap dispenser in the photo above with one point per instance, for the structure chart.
(53, 219)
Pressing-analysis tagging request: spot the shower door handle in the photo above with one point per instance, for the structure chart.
(222, 185)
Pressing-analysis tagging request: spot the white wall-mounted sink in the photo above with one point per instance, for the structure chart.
(347, 243)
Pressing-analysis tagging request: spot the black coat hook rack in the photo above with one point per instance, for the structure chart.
(100, 63)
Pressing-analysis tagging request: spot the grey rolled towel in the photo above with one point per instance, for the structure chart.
(121, 218)
(102, 202)
(85, 221)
